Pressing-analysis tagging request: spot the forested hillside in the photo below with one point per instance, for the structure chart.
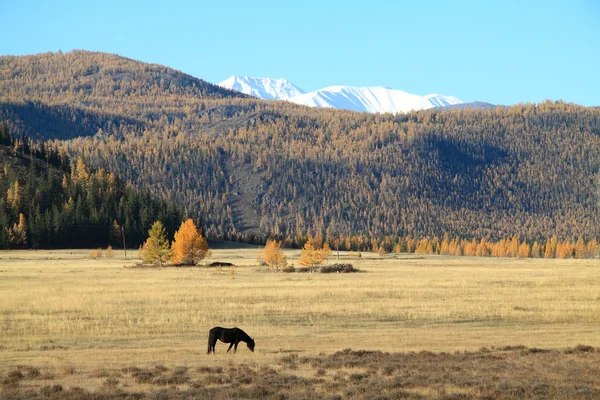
(45, 203)
(49, 95)
(253, 167)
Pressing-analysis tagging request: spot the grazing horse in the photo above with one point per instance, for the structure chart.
(228, 335)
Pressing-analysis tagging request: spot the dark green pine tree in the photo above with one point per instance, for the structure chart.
(5, 138)
(3, 225)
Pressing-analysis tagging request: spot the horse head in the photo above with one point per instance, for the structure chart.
(250, 344)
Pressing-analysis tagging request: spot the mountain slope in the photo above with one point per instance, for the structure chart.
(263, 88)
(98, 91)
(81, 76)
(257, 168)
(372, 99)
(528, 171)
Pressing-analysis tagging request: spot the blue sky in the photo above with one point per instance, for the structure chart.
(503, 52)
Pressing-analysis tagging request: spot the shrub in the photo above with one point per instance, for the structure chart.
(220, 264)
(96, 253)
(338, 268)
(110, 384)
(583, 348)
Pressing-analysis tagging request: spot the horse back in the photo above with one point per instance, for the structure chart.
(240, 334)
(228, 335)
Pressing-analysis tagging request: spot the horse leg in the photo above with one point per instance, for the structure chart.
(235, 347)
(230, 346)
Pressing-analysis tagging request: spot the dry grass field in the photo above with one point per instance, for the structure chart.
(418, 327)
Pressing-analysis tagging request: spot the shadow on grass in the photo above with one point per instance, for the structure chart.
(513, 372)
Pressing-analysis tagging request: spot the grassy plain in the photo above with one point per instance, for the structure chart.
(92, 323)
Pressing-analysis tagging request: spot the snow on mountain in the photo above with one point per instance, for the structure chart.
(372, 99)
(264, 88)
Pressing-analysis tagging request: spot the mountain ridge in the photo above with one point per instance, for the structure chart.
(375, 99)
(263, 88)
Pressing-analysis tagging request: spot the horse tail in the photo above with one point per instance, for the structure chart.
(209, 344)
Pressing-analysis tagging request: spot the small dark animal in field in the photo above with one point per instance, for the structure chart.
(228, 335)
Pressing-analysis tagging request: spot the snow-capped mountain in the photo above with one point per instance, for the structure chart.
(264, 88)
(370, 99)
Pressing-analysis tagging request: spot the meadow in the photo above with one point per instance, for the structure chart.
(407, 327)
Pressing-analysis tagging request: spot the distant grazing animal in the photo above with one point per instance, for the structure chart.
(228, 335)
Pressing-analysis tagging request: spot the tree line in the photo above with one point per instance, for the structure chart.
(48, 202)
(456, 246)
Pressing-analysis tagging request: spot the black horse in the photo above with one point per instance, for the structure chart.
(228, 335)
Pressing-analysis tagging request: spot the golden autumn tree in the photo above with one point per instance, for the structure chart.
(312, 257)
(424, 247)
(17, 235)
(550, 249)
(13, 196)
(536, 250)
(189, 247)
(273, 255)
(524, 250)
(482, 249)
(156, 248)
(579, 248)
(325, 252)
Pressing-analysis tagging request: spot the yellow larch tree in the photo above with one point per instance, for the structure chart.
(325, 252)
(309, 256)
(17, 235)
(312, 257)
(273, 255)
(189, 247)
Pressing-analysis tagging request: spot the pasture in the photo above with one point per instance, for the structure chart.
(426, 327)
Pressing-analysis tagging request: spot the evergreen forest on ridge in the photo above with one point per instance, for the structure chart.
(252, 169)
(52, 202)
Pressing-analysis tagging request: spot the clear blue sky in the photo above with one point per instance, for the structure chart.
(503, 52)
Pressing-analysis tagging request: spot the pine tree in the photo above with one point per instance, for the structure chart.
(3, 224)
(5, 137)
(189, 247)
(156, 249)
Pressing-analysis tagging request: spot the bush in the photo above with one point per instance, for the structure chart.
(220, 264)
(338, 268)
(583, 348)
(96, 253)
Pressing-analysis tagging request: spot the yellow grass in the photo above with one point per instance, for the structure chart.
(73, 313)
